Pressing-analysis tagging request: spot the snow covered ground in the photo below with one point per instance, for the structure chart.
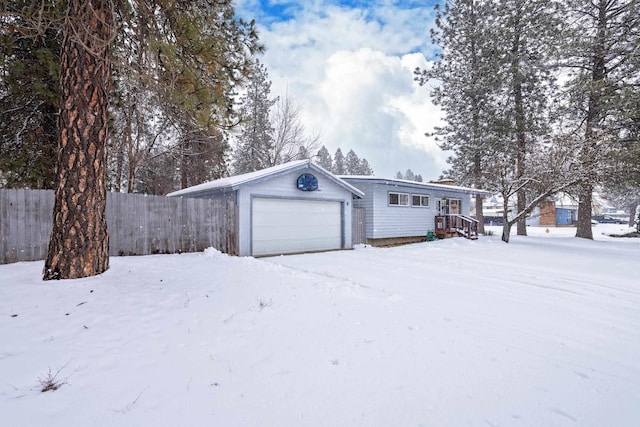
(544, 331)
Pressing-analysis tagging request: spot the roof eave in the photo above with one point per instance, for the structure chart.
(432, 186)
(252, 180)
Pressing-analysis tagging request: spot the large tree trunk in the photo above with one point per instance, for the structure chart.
(589, 155)
(479, 214)
(632, 214)
(477, 172)
(583, 227)
(79, 244)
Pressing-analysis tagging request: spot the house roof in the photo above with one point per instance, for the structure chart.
(413, 184)
(234, 182)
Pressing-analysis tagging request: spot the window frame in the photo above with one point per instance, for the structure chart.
(399, 194)
(421, 198)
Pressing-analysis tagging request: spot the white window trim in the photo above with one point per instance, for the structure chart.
(421, 197)
(399, 194)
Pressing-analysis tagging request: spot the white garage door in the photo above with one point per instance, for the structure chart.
(282, 226)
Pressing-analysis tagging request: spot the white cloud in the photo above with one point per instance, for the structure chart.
(352, 72)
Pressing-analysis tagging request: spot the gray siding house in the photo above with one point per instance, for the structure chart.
(290, 208)
(401, 211)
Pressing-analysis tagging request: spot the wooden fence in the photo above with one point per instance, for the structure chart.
(358, 231)
(138, 224)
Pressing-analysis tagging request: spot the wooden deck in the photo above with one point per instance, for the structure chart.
(456, 226)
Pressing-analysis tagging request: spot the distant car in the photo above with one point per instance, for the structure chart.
(606, 219)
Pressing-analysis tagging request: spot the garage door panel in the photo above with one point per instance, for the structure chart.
(287, 226)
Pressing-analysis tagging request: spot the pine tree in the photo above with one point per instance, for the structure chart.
(352, 164)
(399, 175)
(29, 94)
(531, 30)
(272, 133)
(255, 142)
(176, 67)
(79, 244)
(324, 159)
(602, 54)
(466, 71)
(200, 53)
(339, 167)
(409, 175)
(365, 168)
(495, 98)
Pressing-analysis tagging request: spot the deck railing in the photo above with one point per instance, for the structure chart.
(460, 225)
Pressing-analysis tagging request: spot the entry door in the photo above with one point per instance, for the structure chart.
(449, 206)
(281, 226)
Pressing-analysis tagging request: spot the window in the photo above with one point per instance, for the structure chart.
(419, 200)
(398, 199)
(454, 206)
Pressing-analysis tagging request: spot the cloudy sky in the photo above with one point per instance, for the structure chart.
(349, 65)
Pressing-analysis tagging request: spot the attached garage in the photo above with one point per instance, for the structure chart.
(292, 208)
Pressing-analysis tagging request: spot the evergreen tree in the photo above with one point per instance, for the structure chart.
(399, 175)
(602, 53)
(176, 67)
(199, 56)
(272, 133)
(495, 99)
(352, 164)
(531, 30)
(466, 70)
(190, 57)
(255, 142)
(79, 244)
(409, 175)
(365, 168)
(339, 167)
(324, 159)
(418, 178)
(29, 77)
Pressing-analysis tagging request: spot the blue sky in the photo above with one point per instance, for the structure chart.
(349, 65)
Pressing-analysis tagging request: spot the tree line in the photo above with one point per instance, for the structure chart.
(409, 176)
(340, 164)
(539, 96)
